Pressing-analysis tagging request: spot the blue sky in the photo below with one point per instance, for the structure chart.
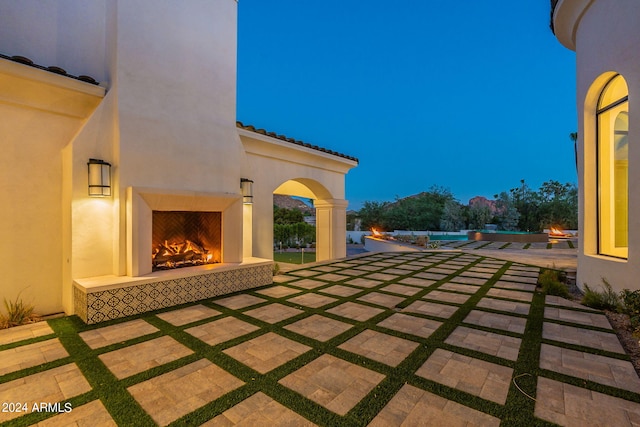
(469, 95)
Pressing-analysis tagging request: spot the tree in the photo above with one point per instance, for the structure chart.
(558, 205)
(506, 216)
(479, 216)
(574, 137)
(452, 216)
(420, 212)
(372, 215)
(526, 202)
(287, 216)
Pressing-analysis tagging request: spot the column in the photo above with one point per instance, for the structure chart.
(331, 229)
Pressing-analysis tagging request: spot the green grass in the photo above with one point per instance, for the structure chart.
(517, 411)
(294, 257)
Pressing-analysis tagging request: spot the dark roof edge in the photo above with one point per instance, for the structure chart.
(51, 69)
(250, 128)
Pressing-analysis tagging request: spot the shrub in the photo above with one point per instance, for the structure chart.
(606, 300)
(18, 313)
(631, 305)
(435, 244)
(550, 281)
(276, 269)
(422, 240)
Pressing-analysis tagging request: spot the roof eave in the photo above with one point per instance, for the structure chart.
(566, 18)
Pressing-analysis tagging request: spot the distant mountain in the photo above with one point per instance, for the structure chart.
(289, 202)
(483, 201)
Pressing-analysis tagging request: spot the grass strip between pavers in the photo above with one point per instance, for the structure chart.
(517, 411)
(123, 408)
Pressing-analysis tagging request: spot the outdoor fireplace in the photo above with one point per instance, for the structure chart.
(185, 239)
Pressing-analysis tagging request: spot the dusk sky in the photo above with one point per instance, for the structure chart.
(470, 95)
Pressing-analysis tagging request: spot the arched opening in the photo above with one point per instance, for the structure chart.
(330, 217)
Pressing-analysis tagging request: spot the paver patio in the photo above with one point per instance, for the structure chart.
(382, 339)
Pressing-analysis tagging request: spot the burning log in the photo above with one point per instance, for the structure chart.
(177, 254)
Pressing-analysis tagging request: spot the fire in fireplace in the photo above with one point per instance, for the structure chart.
(185, 239)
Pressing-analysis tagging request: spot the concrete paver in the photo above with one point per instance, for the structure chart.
(266, 352)
(509, 294)
(415, 281)
(515, 285)
(601, 369)
(401, 290)
(459, 287)
(352, 310)
(169, 396)
(467, 280)
(24, 332)
(381, 299)
(342, 291)
(411, 324)
(580, 317)
(568, 405)
(364, 283)
(502, 305)
(51, 386)
(188, 315)
(451, 297)
(222, 330)
(92, 414)
(431, 309)
(278, 291)
(380, 347)
(273, 313)
(239, 301)
(562, 302)
(312, 300)
(319, 327)
(584, 337)
(120, 332)
(30, 355)
(140, 357)
(475, 376)
(385, 280)
(412, 406)
(258, 410)
(496, 321)
(491, 343)
(333, 383)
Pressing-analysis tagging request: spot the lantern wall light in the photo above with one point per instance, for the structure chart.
(99, 178)
(246, 188)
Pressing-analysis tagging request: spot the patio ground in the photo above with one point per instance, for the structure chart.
(432, 338)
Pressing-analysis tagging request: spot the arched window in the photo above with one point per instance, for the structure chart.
(613, 168)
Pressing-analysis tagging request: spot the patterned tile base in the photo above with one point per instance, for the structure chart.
(100, 306)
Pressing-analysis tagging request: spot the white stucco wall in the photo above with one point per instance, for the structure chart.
(164, 117)
(41, 112)
(606, 36)
(64, 33)
(279, 165)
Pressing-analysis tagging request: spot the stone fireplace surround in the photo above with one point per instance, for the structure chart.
(102, 298)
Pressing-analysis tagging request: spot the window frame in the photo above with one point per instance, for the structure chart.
(600, 110)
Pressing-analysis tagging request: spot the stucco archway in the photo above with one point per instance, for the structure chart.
(330, 216)
(276, 165)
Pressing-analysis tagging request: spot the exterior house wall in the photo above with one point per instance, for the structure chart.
(66, 33)
(606, 38)
(41, 112)
(164, 117)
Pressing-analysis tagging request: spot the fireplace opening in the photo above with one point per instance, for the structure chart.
(185, 239)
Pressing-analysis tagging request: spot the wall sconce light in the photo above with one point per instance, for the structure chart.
(99, 178)
(246, 188)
